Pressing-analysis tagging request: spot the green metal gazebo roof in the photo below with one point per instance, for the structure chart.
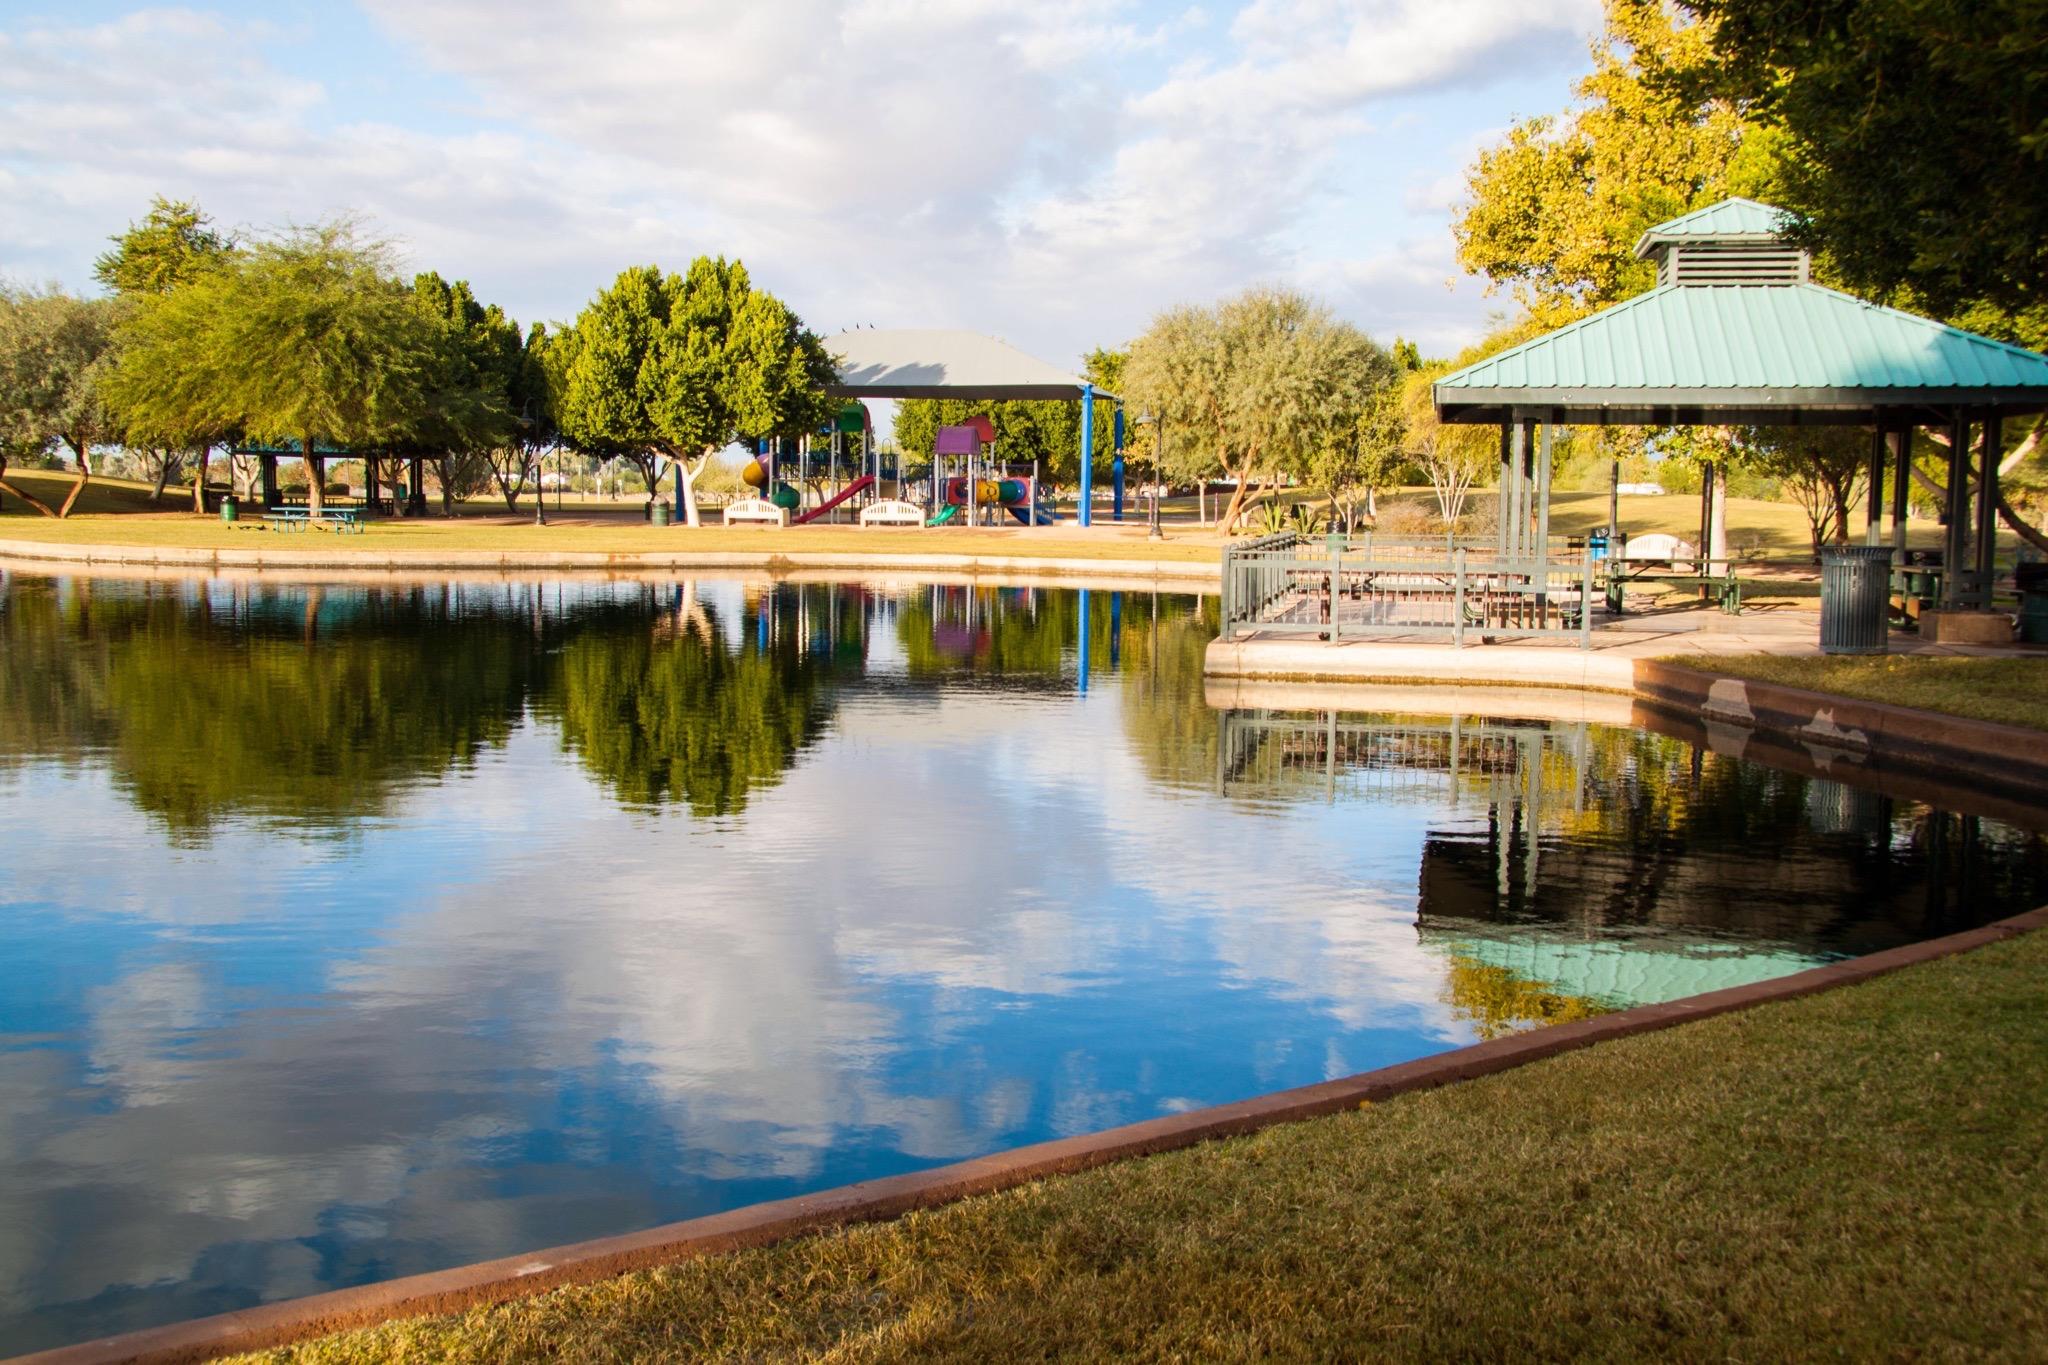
(1784, 351)
(1731, 220)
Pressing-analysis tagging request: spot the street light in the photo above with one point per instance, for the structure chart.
(540, 488)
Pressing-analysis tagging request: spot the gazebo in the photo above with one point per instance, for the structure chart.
(925, 363)
(1735, 331)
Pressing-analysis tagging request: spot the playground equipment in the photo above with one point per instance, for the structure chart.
(978, 487)
(775, 455)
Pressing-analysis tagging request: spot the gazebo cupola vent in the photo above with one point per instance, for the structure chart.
(1734, 242)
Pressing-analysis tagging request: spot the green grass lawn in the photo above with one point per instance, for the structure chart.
(114, 512)
(2012, 691)
(1861, 1174)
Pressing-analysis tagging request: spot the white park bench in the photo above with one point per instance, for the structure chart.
(755, 509)
(890, 512)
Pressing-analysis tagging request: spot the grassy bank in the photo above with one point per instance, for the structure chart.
(120, 512)
(1859, 1173)
(2011, 691)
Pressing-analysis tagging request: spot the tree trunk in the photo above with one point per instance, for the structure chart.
(28, 498)
(84, 477)
(1238, 499)
(316, 481)
(163, 475)
(2019, 527)
(690, 473)
(199, 478)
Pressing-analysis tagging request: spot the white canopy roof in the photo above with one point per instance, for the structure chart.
(921, 363)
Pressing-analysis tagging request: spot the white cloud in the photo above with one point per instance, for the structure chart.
(1054, 173)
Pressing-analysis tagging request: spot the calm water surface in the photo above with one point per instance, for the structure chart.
(352, 932)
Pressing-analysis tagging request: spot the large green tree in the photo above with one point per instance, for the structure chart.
(468, 409)
(1554, 210)
(669, 369)
(308, 336)
(1249, 387)
(174, 245)
(1824, 469)
(1916, 137)
(55, 351)
(1355, 459)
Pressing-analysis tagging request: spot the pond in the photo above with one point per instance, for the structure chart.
(352, 931)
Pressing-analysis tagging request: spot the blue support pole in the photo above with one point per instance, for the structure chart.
(1087, 457)
(1116, 464)
(1083, 672)
(677, 514)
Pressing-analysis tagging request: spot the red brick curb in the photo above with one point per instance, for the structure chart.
(2010, 757)
(513, 1277)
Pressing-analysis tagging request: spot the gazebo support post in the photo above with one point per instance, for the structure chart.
(1087, 451)
(370, 482)
(1987, 512)
(1116, 463)
(1873, 525)
(1957, 524)
(416, 492)
(1516, 465)
(1716, 548)
(1543, 492)
(1503, 515)
(268, 464)
(1699, 553)
(1525, 491)
(1901, 438)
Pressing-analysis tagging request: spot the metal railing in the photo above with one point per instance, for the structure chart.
(1335, 586)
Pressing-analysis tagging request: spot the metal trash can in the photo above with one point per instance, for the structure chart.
(1855, 598)
(2032, 581)
(659, 511)
(230, 510)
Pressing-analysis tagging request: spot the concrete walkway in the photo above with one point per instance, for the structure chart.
(1609, 665)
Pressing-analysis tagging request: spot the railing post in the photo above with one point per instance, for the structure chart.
(1336, 587)
(1586, 601)
(1458, 598)
(1229, 571)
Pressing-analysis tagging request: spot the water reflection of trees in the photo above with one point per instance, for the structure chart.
(274, 702)
(1594, 831)
(319, 703)
(689, 713)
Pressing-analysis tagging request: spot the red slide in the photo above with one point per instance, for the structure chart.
(828, 504)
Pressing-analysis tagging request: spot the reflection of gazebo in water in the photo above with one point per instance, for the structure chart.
(268, 453)
(1734, 333)
(1541, 866)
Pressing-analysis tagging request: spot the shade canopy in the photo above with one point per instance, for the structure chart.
(1736, 332)
(920, 363)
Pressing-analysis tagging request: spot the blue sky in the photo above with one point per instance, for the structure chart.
(1053, 173)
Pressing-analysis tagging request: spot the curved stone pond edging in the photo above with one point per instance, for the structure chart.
(42, 554)
(513, 1277)
(2006, 758)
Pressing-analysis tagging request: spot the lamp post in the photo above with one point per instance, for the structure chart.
(540, 489)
